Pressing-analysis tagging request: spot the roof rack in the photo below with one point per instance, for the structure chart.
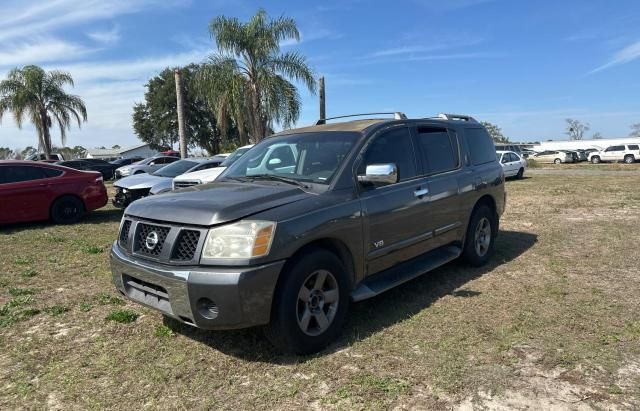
(396, 116)
(460, 117)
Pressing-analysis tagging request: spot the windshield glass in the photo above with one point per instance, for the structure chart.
(175, 169)
(310, 157)
(234, 156)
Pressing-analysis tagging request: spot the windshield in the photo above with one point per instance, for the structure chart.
(310, 157)
(234, 156)
(175, 169)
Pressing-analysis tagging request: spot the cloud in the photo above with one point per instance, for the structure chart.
(41, 50)
(624, 56)
(106, 37)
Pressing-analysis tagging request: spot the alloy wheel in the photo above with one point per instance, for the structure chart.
(317, 302)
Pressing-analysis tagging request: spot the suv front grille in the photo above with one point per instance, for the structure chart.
(124, 233)
(186, 246)
(143, 243)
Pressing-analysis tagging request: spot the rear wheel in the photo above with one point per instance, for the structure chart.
(595, 159)
(557, 161)
(67, 210)
(480, 238)
(520, 173)
(629, 159)
(310, 304)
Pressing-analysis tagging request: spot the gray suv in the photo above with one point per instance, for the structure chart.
(339, 213)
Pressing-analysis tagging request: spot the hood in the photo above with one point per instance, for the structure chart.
(140, 181)
(215, 203)
(162, 186)
(204, 176)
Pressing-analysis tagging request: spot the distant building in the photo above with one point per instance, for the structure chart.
(141, 150)
(599, 144)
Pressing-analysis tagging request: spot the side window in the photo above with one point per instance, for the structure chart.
(633, 147)
(481, 148)
(50, 172)
(439, 151)
(168, 160)
(395, 147)
(16, 174)
(513, 157)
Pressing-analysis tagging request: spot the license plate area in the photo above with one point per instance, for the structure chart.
(147, 293)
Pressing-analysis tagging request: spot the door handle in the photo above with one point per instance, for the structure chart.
(421, 192)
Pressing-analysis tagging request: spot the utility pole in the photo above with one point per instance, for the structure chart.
(179, 102)
(323, 112)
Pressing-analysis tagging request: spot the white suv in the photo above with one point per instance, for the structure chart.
(629, 153)
(209, 175)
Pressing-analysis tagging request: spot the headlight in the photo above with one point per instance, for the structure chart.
(244, 239)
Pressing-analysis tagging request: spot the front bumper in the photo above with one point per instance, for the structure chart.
(205, 297)
(122, 199)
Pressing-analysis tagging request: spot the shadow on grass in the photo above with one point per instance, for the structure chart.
(370, 316)
(92, 217)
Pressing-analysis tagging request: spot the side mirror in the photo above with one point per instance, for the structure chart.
(380, 174)
(273, 163)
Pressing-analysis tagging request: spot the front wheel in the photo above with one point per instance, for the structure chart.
(310, 304)
(557, 161)
(629, 159)
(595, 160)
(481, 235)
(520, 173)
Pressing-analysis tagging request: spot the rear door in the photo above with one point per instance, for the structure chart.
(439, 154)
(396, 227)
(614, 153)
(25, 192)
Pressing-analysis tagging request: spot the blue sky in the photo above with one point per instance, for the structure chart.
(524, 65)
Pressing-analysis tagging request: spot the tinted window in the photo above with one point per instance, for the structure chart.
(633, 147)
(285, 156)
(392, 147)
(175, 169)
(50, 172)
(438, 150)
(616, 148)
(481, 148)
(15, 174)
(513, 157)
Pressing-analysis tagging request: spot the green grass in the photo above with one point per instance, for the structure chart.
(557, 307)
(123, 316)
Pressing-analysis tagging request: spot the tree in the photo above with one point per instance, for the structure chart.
(575, 129)
(249, 77)
(40, 96)
(156, 120)
(6, 153)
(596, 136)
(115, 147)
(29, 150)
(495, 132)
(635, 130)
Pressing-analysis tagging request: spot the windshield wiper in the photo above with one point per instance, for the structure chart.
(278, 178)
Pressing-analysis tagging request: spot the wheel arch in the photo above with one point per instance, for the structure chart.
(84, 205)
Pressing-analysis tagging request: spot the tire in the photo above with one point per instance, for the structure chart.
(520, 173)
(67, 210)
(298, 316)
(557, 161)
(629, 159)
(595, 160)
(480, 239)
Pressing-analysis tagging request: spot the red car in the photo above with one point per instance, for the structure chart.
(40, 191)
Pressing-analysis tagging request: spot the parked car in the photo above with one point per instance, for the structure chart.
(106, 169)
(509, 147)
(207, 176)
(147, 165)
(137, 186)
(553, 156)
(526, 153)
(574, 156)
(125, 161)
(629, 153)
(366, 206)
(582, 155)
(41, 191)
(43, 157)
(512, 164)
(167, 184)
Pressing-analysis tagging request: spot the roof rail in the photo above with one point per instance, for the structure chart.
(396, 116)
(460, 117)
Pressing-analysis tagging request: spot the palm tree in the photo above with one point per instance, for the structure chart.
(248, 78)
(40, 96)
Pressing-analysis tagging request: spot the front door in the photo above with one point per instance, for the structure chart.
(395, 215)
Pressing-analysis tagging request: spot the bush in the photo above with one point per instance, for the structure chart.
(122, 316)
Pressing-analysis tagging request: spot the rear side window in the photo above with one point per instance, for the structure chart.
(16, 174)
(50, 172)
(481, 148)
(616, 148)
(633, 147)
(439, 151)
(395, 147)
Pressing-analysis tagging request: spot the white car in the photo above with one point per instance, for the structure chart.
(512, 164)
(553, 156)
(209, 175)
(629, 153)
